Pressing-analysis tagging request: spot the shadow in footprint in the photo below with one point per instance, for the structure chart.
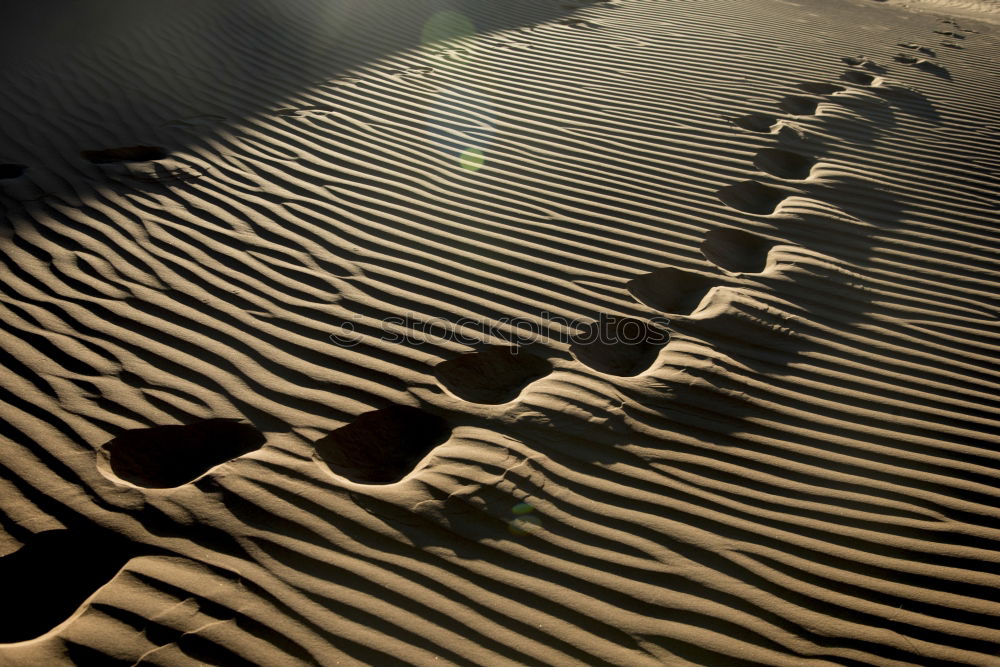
(670, 290)
(926, 50)
(622, 346)
(578, 23)
(736, 250)
(751, 197)
(48, 578)
(382, 446)
(167, 456)
(755, 122)
(799, 105)
(125, 154)
(494, 375)
(10, 171)
(933, 68)
(783, 164)
(856, 77)
(867, 63)
(818, 88)
(924, 65)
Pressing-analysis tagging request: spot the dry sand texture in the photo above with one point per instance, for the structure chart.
(220, 215)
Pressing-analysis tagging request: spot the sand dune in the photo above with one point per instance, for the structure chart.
(628, 332)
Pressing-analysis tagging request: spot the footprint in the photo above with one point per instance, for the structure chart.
(398, 74)
(382, 446)
(125, 154)
(580, 23)
(751, 197)
(160, 172)
(923, 65)
(755, 122)
(622, 346)
(11, 171)
(799, 105)
(167, 456)
(867, 63)
(344, 80)
(932, 68)
(452, 54)
(859, 78)
(494, 375)
(922, 49)
(305, 112)
(670, 290)
(47, 579)
(735, 250)
(783, 164)
(817, 88)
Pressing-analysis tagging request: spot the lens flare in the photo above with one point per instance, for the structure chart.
(525, 525)
(461, 117)
(472, 159)
(522, 508)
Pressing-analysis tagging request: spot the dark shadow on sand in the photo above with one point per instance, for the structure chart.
(141, 66)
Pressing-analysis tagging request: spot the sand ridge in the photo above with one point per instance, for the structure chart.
(259, 228)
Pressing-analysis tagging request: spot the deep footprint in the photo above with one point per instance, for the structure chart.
(751, 197)
(736, 250)
(670, 290)
(755, 122)
(860, 78)
(817, 88)
(923, 64)
(799, 105)
(867, 63)
(622, 346)
(933, 68)
(9, 171)
(926, 50)
(125, 154)
(579, 23)
(382, 446)
(47, 579)
(783, 164)
(494, 375)
(167, 456)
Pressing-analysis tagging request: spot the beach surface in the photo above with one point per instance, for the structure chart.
(500, 332)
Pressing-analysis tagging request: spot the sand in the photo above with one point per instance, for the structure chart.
(316, 322)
